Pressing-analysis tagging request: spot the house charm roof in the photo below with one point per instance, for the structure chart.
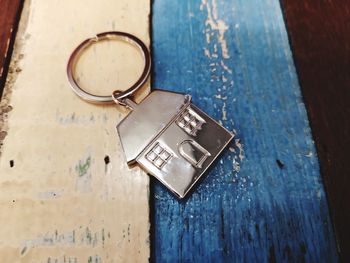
(171, 139)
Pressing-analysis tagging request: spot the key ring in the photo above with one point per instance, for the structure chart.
(117, 96)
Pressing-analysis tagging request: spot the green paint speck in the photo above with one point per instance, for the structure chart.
(83, 167)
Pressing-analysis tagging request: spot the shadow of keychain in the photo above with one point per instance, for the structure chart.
(165, 134)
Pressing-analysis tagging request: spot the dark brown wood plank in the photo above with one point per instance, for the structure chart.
(9, 16)
(319, 33)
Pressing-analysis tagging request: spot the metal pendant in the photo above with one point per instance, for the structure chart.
(171, 139)
(165, 134)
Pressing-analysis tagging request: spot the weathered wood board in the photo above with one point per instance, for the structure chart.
(264, 200)
(66, 194)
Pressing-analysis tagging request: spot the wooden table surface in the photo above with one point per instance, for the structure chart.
(65, 193)
(277, 74)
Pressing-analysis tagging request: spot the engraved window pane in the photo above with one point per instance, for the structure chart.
(187, 117)
(159, 162)
(151, 156)
(158, 149)
(190, 121)
(182, 122)
(194, 123)
(158, 156)
(165, 155)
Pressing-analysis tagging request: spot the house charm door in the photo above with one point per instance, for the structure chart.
(171, 139)
(165, 134)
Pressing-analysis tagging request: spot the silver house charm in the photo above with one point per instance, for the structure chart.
(165, 134)
(171, 139)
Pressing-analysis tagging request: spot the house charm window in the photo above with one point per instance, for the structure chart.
(158, 156)
(190, 121)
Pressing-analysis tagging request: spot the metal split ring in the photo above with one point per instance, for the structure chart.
(117, 95)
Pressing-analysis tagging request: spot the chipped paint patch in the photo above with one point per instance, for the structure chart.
(224, 112)
(215, 24)
(62, 259)
(82, 236)
(74, 118)
(217, 51)
(239, 155)
(94, 259)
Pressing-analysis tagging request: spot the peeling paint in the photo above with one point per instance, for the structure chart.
(217, 25)
(224, 112)
(76, 237)
(215, 35)
(74, 118)
(226, 68)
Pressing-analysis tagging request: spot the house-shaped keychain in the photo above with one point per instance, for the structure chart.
(171, 139)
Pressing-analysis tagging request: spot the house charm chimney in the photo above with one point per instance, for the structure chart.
(171, 139)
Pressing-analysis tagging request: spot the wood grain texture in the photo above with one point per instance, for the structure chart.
(320, 36)
(9, 16)
(66, 193)
(263, 201)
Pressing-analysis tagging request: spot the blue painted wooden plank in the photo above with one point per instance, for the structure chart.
(263, 201)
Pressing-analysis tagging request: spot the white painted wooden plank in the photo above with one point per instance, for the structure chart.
(59, 200)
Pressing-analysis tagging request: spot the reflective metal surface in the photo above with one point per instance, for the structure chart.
(172, 139)
(147, 120)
